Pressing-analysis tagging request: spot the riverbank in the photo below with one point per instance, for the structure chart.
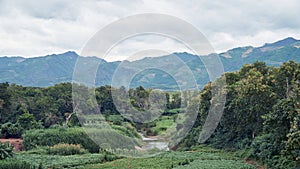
(153, 142)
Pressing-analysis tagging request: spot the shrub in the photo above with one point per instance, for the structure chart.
(51, 137)
(27, 121)
(279, 162)
(6, 150)
(125, 131)
(37, 150)
(293, 146)
(67, 149)
(115, 119)
(264, 147)
(112, 139)
(14, 164)
(10, 130)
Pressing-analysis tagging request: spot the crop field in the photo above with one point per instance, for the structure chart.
(59, 161)
(179, 160)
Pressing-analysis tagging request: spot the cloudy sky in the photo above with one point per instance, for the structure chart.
(35, 28)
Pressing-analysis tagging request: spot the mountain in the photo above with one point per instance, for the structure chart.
(274, 54)
(163, 72)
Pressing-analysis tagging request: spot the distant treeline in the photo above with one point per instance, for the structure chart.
(23, 108)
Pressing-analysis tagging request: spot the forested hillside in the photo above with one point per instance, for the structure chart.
(45, 71)
(261, 116)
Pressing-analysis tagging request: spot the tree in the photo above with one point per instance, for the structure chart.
(27, 121)
(10, 130)
(293, 138)
(4, 102)
(284, 76)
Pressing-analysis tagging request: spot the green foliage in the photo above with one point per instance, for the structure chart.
(14, 164)
(120, 141)
(293, 146)
(115, 119)
(203, 157)
(261, 114)
(6, 150)
(246, 153)
(43, 150)
(66, 149)
(293, 137)
(50, 137)
(24, 122)
(126, 131)
(57, 161)
(216, 164)
(27, 121)
(251, 99)
(279, 162)
(4, 102)
(261, 117)
(173, 100)
(277, 121)
(264, 147)
(163, 124)
(105, 100)
(138, 163)
(9, 130)
(33, 106)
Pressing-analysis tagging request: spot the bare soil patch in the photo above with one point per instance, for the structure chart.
(17, 143)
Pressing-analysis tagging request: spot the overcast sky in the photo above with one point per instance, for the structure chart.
(35, 28)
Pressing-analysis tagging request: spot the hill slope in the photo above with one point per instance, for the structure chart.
(162, 72)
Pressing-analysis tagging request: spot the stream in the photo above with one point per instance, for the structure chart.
(150, 143)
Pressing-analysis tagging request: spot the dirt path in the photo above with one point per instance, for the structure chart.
(255, 164)
(17, 143)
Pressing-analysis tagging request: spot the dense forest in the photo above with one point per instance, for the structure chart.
(261, 115)
(261, 118)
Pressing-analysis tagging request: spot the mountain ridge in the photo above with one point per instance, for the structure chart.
(56, 68)
(283, 42)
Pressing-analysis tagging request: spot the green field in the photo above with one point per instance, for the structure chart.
(198, 159)
(58, 161)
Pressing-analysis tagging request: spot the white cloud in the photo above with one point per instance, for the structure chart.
(34, 28)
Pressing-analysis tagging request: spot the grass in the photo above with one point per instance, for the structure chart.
(198, 157)
(217, 164)
(207, 159)
(138, 163)
(57, 161)
(163, 124)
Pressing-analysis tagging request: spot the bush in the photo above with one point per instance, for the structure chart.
(279, 162)
(125, 131)
(14, 164)
(67, 149)
(60, 162)
(267, 150)
(293, 146)
(27, 121)
(9, 130)
(51, 137)
(115, 119)
(37, 150)
(6, 150)
(265, 147)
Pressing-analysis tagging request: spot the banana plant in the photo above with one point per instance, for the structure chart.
(6, 150)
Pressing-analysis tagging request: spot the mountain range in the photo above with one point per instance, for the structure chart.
(162, 72)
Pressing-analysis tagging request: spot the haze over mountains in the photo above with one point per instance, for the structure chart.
(52, 69)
